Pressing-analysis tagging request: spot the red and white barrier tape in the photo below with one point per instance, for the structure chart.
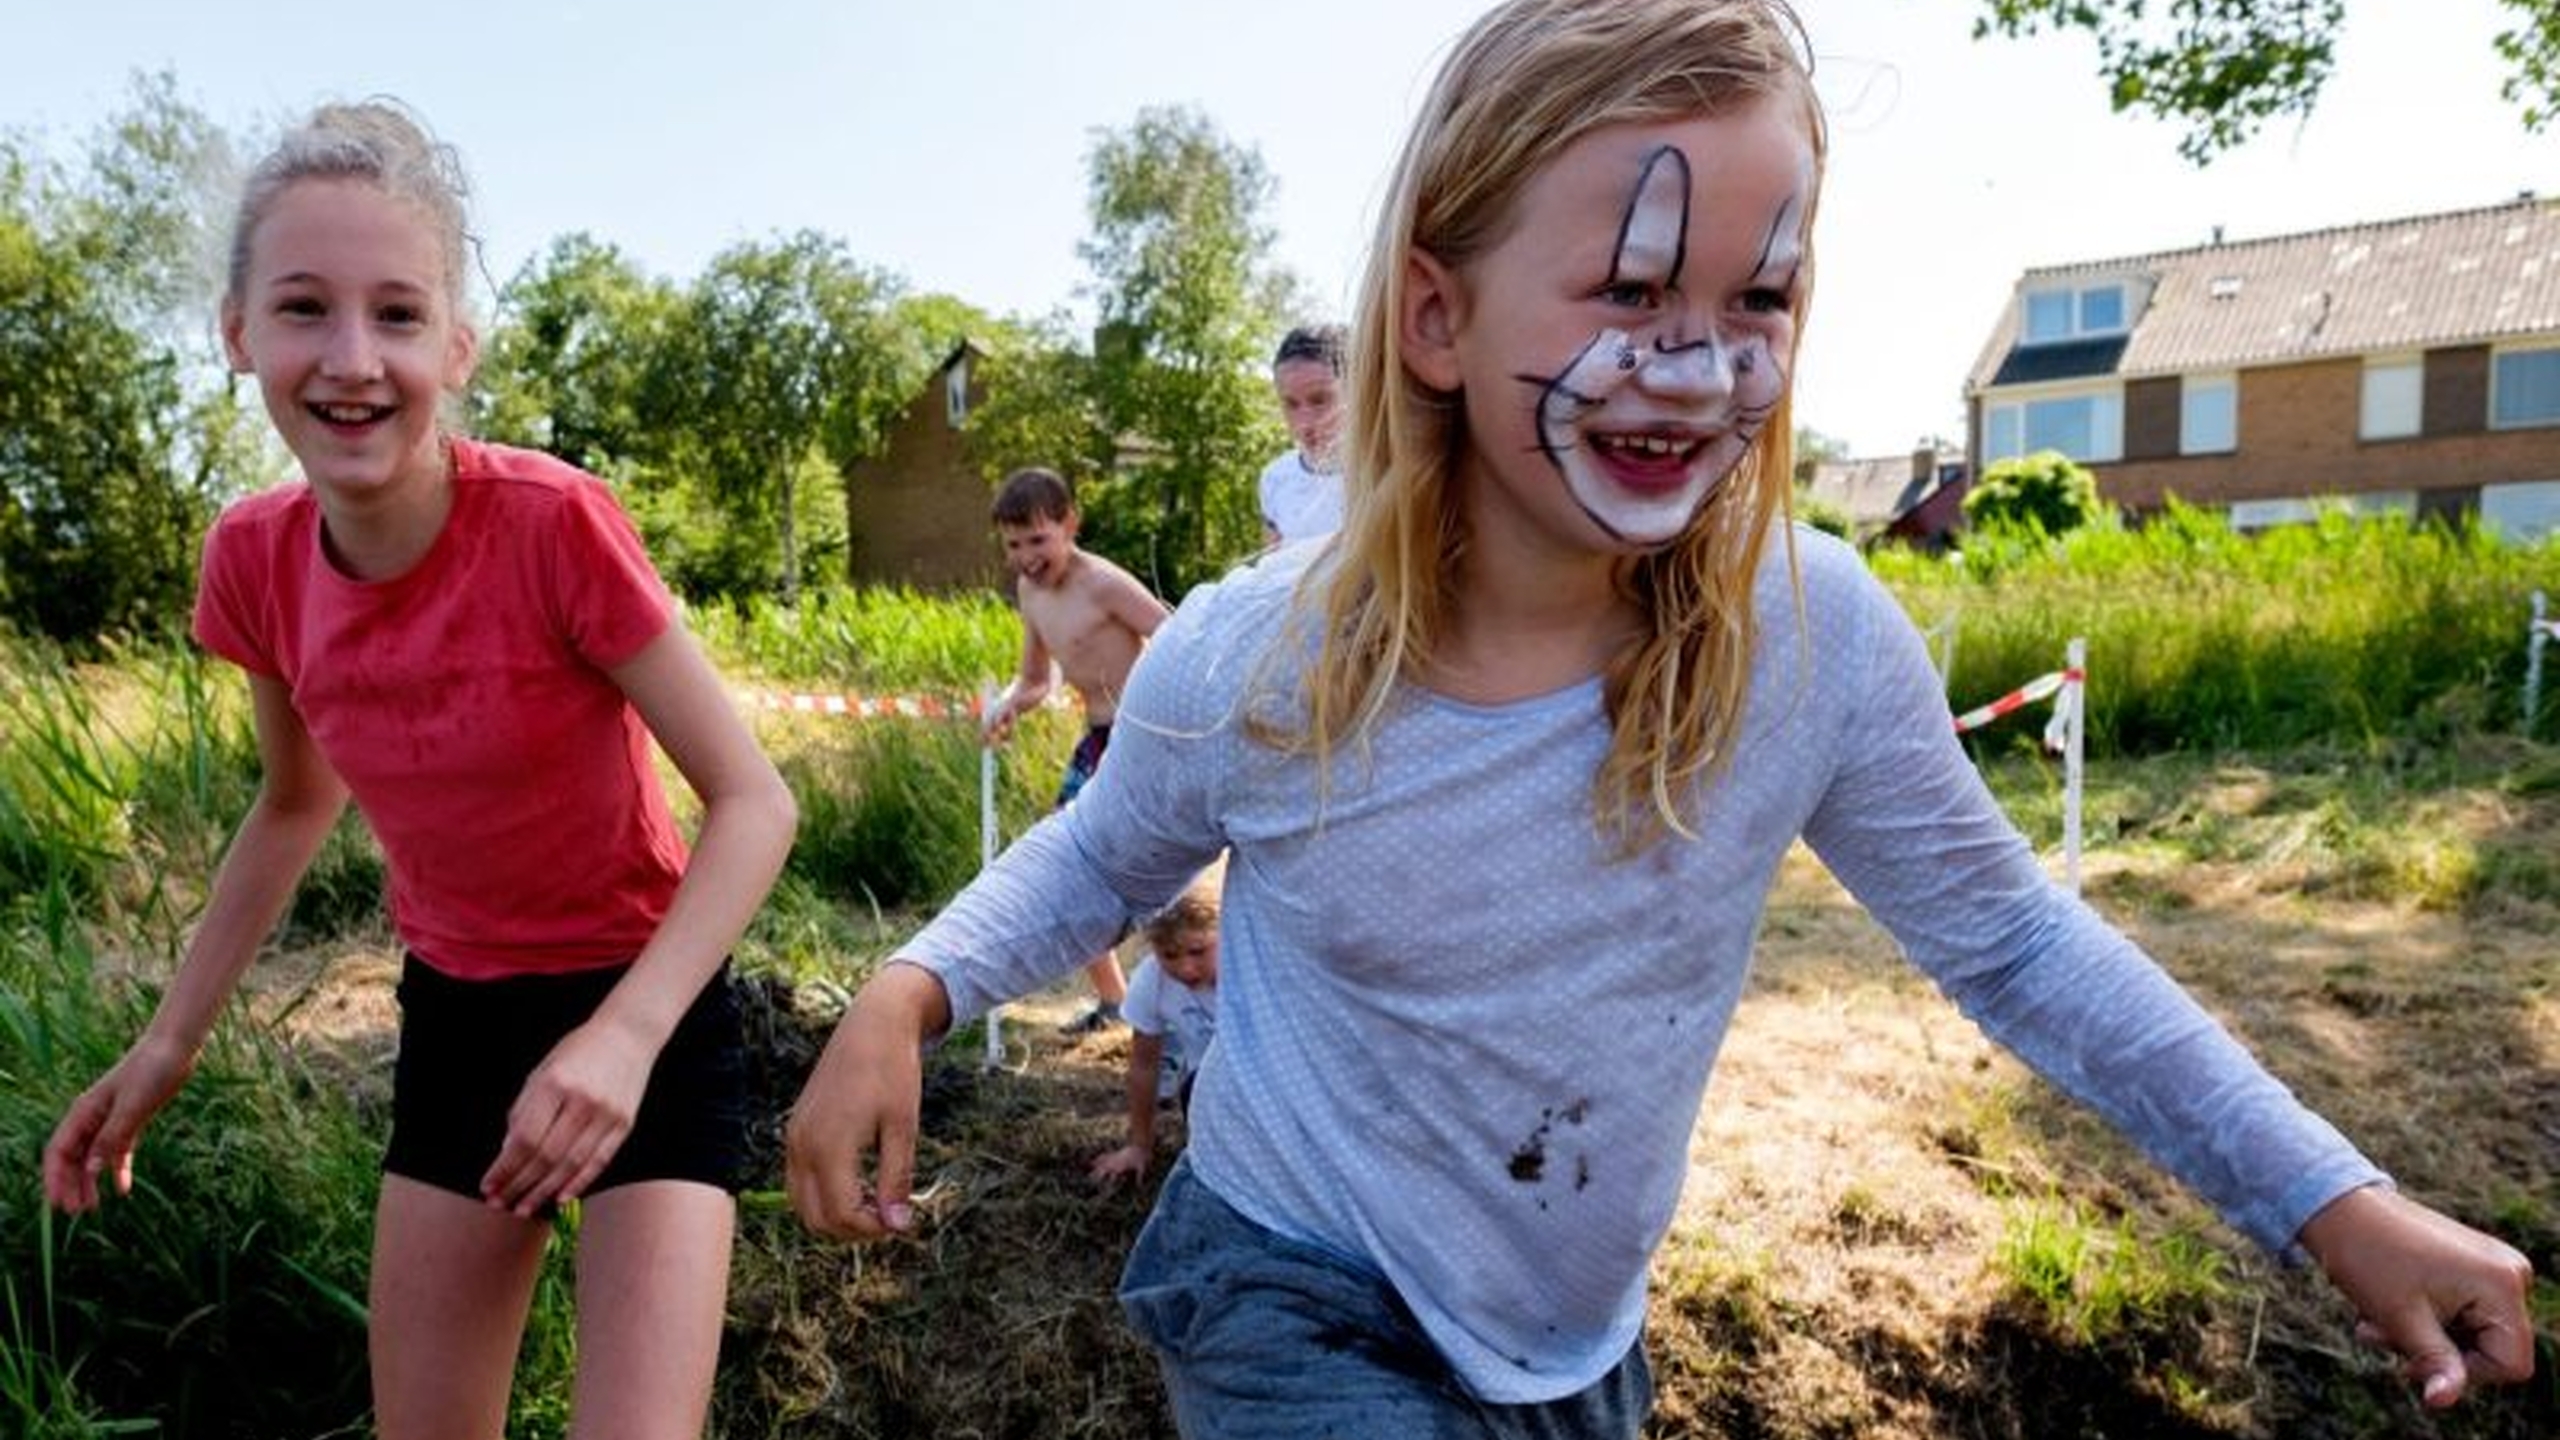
(2043, 687)
(860, 707)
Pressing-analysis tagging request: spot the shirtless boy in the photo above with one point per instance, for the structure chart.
(1082, 617)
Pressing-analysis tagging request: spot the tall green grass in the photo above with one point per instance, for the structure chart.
(880, 640)
(2340, 631)
(222, 1296)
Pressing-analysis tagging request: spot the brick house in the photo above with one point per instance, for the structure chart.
(916, 513)
(2403, 365)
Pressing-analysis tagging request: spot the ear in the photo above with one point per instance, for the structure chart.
(235, 341)
(1428, 320)
(462, 357)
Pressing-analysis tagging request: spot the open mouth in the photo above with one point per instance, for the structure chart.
(348, 416)
(1647, 458)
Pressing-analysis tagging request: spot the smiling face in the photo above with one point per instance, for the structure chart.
(343, 315)
(1624, 343)
(1038, 550)
(1311, 404)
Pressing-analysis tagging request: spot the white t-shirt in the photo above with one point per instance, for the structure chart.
(1185, 1017)
(1299, 502)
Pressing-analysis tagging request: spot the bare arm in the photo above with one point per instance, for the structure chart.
(1130, 1161)
(1131, 603)
(577, 1106)
(299, 800)
(864, 1096)
(1032, 681)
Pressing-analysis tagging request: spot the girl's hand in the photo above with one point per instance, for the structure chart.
(573, 1114)
(1129, 1162)
(999, 726)
(2449, 1300)
(863, 1098)
(98, 1132)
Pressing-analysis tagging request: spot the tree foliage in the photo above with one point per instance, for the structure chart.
(2221, 68)
(2046, 492)
(1188, 302)
(117, 436)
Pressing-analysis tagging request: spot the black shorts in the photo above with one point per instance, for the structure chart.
(466, 1047)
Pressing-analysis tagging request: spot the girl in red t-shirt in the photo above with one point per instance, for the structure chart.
(468, 641)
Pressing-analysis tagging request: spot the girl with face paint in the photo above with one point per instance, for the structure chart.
(1566, 685)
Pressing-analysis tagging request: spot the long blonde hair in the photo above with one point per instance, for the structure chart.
(1526, 82)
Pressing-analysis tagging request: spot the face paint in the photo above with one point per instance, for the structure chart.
(1643, 427)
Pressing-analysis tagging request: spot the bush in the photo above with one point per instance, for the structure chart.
(2044, 493)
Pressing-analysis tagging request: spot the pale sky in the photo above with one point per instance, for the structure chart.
(946, 141)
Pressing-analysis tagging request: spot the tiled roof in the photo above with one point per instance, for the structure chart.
(2465, 277)
(1874, 492)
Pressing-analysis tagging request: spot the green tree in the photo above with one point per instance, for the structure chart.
(782, 351)
(2223, 67)
(568, 366)
(2047, 492)
(1188, 301)
(1040, 406)
(118, 435)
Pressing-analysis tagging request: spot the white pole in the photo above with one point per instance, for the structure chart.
(987, 855)
(2075, 695)
(2538, 635)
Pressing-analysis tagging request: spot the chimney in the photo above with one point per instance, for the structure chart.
(1924, 464)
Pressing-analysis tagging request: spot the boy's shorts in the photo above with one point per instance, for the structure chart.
(466, 1047)
(1086, 760)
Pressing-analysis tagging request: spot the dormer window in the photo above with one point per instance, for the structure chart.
(2077, 312)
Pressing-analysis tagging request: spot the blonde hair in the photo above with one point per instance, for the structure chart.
(1196, 909)
(378, 141)
(1528, 81)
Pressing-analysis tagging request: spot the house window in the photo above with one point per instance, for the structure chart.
(2393, 390)
(2524, 513)
(2209, 415)
(2249, 515)
(2079, 313)
(2088, 428)
(955, 392)
(2524, 388)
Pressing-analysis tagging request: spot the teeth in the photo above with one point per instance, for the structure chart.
(347, 414)
(1661, 445)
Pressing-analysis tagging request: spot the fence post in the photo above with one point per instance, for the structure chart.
(2075, 688)
(2538, 635)
(987, 853)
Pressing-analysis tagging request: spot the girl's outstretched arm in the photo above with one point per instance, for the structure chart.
(863, 1098)
(2449, 1300)
(299, 800)
(577, 1106)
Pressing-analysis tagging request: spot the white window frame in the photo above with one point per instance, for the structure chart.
(955, 392)
(2209, 414)
(2008, 424)
(2392, 404)
(2540, 355)
(2523, 511)
(2077, 302)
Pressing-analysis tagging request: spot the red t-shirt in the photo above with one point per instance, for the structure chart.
(467, 707)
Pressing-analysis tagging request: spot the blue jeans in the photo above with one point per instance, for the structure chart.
(1263, 1336)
